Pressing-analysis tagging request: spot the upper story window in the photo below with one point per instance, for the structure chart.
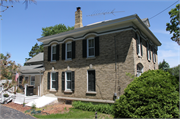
(148, 51)
(68, 50)
(53, 52)
(154, 55)
(90, 47)
(139, 45)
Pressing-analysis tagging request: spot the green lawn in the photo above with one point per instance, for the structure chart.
(76, 113)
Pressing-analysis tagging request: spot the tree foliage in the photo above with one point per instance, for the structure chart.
(5, 7)
(173, 26)
(7, 66)
(55, 29)
(155, 94)
(36, 49)
(175, 71)
(164, 65)
(47, 32)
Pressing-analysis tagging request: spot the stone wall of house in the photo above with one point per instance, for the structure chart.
(147, 64)
(117, 57)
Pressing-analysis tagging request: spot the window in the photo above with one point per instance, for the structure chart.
(20, 79)
(32, 80)
(68, 50)
(26, 79)
(52, 81)
(154, 56)
(68, 80)
(91, 80)
(53, 53)
(148, 51)
(139, 45)
(91, 47)
(139, 69)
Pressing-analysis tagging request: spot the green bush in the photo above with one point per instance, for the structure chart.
(152, 95)
(104, 108)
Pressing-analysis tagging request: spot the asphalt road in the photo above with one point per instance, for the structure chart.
(9, 113)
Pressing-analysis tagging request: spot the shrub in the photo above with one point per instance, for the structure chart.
(152, 95)
(33, 106)
(104, 108)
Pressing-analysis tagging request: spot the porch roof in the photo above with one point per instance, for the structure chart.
(32, 68)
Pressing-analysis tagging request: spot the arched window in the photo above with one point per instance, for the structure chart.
(139, 69)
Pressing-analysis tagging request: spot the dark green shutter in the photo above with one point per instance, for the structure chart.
(96, 46)
(63, 80)
(63, 51)
(84, 48)
(73, 49)
(57, 52)
(72, 81)
(49, 53)
(48, 81)
(57, 83)
(141, 46)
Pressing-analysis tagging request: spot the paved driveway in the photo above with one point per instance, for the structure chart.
(9, 113)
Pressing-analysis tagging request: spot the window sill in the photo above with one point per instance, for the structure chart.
(53, 62)
(139, 56)
(89, 58)
(68, 60)
(52, 90)
(68, 91)
(149, 60)
(90, 92)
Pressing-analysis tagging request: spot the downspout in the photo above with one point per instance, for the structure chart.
(115, 92)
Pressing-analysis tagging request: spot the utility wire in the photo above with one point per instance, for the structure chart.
(164, 10)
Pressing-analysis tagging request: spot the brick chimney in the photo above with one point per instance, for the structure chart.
(78, 18)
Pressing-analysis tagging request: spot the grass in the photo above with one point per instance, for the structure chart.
(76, 113)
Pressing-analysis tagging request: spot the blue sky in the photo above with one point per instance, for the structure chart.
(20, 27)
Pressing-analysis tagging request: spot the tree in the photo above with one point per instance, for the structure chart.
(11, 1)
(175, 71)
(164, 65)
(155, 94)
(55, 29)
(173, 26)
(47, 32)
(7, 66)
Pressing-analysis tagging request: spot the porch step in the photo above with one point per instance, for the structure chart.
(20, 98)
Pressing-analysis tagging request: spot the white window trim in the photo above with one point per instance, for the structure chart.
(52, 52)
(139, 45)
(66, 81)
(88, 81)
(51, 81)
(33, 81)
(66, 51)
(88, 47)
(148, 51)
(154, 55)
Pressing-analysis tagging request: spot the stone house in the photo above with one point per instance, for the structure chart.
(32, 73)
(90, 63)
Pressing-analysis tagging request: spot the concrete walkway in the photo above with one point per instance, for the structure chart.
(20, 98)
(9, 113)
